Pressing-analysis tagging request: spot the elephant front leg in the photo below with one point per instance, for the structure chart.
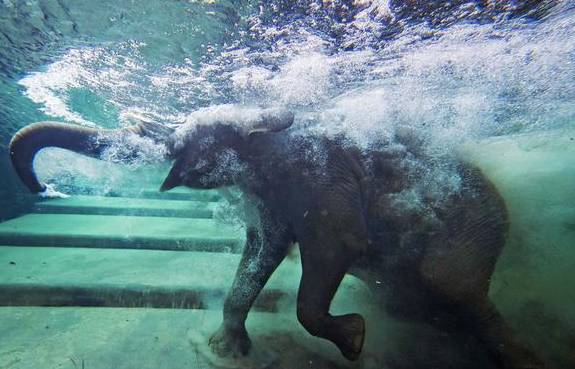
(324, 265)
(261, 256)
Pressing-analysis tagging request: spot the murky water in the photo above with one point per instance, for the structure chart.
(491, 79)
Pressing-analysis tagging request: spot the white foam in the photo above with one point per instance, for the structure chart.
(50, 192)
(449, 84)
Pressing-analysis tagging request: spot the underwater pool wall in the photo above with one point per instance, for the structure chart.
(534, 285)
(15, 199)
(16, 111)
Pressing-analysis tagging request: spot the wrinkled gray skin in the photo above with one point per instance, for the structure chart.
(336, 202)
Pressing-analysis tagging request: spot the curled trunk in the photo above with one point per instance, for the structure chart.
(28, 141)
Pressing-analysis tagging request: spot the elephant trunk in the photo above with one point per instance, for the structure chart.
(29, 140)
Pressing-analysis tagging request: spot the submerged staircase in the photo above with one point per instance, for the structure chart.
(160, 250)
(69, 258)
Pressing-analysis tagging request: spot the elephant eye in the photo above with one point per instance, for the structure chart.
(202, 163)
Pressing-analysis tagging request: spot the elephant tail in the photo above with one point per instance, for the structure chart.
(28, 141)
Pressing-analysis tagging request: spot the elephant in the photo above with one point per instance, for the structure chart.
(342, 205)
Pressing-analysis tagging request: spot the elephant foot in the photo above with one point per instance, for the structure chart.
(350, 335)
(230, 343)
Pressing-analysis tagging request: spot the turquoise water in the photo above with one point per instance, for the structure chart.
(492, 81)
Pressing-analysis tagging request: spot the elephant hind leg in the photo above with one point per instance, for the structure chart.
(489, 326)
(458, 275)
(323, 270)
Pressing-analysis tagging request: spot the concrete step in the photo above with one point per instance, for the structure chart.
(179, 193)
(104, 231)
(102, 205)
(91, 338)
(46, 276)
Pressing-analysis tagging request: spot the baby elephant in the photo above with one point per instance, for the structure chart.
(349, 210)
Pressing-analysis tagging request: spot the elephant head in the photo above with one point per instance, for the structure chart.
(196, 150)
(209, 155)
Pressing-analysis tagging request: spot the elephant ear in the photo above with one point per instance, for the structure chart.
(146, 127)
(271, 120)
